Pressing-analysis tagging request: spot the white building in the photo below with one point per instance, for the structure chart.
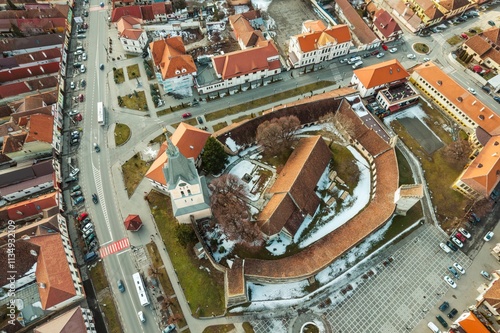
(131, 35)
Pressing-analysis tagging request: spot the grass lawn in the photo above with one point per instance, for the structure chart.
(133, 71)
(133, 172)
(440, 175)
(98, 277)
(110, 314)
(203, 290)
(405, 175)
(344, 164)
(454, 40)
(248, 327)
(170, 109)
(421, 48)
(219, 328)
(118, 75)
(159, 139)
(219, 126)
(267, 100)
(190, 121)
(237, 120)
(122, 134)
(158, 264)
(134, 101)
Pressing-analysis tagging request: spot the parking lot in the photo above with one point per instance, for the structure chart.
(400, 294)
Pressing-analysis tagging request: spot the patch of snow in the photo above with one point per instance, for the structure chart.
(231, 144)
(228, 247)
(261, 4)
(241, 9)
(313, 128)
(358, 107)
(302, 227)
(37, 304)
(278, 245)
(356, 202)
(414, 111)
(264, 292)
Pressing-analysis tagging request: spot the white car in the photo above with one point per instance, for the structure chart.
(169, 328)
(426, 59)
(89, 231)
(83, 69)
(411, 56)
(445, 247)
(84, 56)
(73, 113)
(72, 85)
(464, 232)
(459, 268)
(457, 241)
(488, 236)
(74, 172)
(393, 50)
(472, 91)
(450, 281)
(380, 55)
(87, 227)
(141, 316)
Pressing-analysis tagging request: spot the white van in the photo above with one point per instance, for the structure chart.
(357, 64)
(433, 327)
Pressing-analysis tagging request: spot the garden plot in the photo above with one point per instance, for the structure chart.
(254, 176)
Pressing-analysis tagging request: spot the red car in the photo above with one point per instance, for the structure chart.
(464, 36)
(460, 237)
(78, 117)
(374, 53)
(186, 115)
(82, 216)
(80, 97)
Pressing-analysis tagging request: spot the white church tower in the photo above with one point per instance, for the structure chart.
(188, 191)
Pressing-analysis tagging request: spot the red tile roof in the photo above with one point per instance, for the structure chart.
(247, 61)
(13, 143)
(385, 23)
(147, 13)
(40, 128)
(118, 12)
(54, 278)
(360, 28)
(170, 56)
(311, 41)
(159, 8)
(381, 73)
(71, 321)
(28, 72)
(27, 208)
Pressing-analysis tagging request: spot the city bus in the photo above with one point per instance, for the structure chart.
(100, 114)
(141, 291)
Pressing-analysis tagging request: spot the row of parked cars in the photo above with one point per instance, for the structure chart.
(88, 233)
(456, 241)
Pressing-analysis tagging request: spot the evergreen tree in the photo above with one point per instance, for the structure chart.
(214, 157)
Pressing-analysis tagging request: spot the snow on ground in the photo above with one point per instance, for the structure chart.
(264, 292)
(222, 241)
(354, 204)
(358, 107)
(302, 227)
(231, 144)
(277, 246)
(412, 112)
(261, 4)
(247, 167)
(241, 9)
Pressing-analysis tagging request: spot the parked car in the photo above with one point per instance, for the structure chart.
(454, 272)
(83, 69)
(75, 194)
(75, 134)
(93, 246)
(169, 328)
(140, 313)
(87, 227)
(78, 200)
(491, 23)
(452, 246)
(343, 61)
(88, 231)
(486, 88)
(121, 286)
(85, 222)
(366, 55)
(353, 60)
(91, 256)
(433, 327)
(452, 313)
(464, 36)
(442, 321)
(83, 215)
(497, 99)
(460, 237)
(443, 307)
(456, 241)
(90, 238)
(84, 55)
(76, 188)
(376, 52)
(95, 200)
(70, 179)
(72, 85)
(186, 115)
(471, 90)
(426, 59)
(200, 120)
(73, 113)
(74, 141)
(464, 232)
(81, 97)
(393, 50)
(444, 247)
(380, 55)
(488, 236)
(459, 268)
(86, 13)
(83, 83)
(486, 275)
(411, 56)
(450, 281)
(101, 67)
(74, 172)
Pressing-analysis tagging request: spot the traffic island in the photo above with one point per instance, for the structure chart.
(122, 134)
(135, 101)
(421, 48)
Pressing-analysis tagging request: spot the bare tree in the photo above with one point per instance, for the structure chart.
(340, 127)
(277, 135)
(230, 209)
(457, 152)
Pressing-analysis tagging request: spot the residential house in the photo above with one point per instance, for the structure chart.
(490, 298)
(118, 12)
(44, 19)
(29, 210)
(362, 35)
(451, 8)
(465, 108)
(190, 142)
(318, 43)
(405, 15)
(48, 260)
(369, 80)
(174, 68)
(242, 67)
(13, 46)
(244, 32)
(292, 197)
(470, 323)
(188, 190)
(75, 320)
(385, 26)
(26, 181)
(131, 35)
(485, 48)
(482, 175)
(426, 10)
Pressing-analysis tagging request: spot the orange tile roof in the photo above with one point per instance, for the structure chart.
(240, 25)
(53, 271)
(452, 5)
(459, 96)
(126, 29)
(360, 28)
(381, 73)
(170, 56)
(483, 172)
(471, 324)
(190, 141)
(314, 40)
(247, 61)
(316, 25)
(40, 128)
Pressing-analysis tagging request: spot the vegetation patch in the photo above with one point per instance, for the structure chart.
(148, 66)
(267, 100)
(248, 327)
(344, 163)
(219, 126)
(237, 120)
(454, 40)
(122, 134)
(135, 101)
(133, 172)
(118, 75)
(98, 277)
(204, 290)
(219, 328)
(110, 313)
(421, 48)
(171, 109)
(159, 139)
(133, 71)
(155, 93)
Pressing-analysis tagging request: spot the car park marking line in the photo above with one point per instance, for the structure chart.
(114, 247)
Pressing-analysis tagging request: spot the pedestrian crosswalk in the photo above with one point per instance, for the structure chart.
(114, 247)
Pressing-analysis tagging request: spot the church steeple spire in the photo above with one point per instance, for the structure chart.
(172, 150)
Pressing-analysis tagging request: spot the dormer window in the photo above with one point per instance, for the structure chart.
(177, 71)
(184, 70)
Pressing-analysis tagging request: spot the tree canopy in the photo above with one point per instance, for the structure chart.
(214, 158)
(278, 134)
